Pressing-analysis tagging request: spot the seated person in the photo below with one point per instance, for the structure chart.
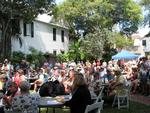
(25, 102)
(118, 86)
(39, 81)
(109, 77)
(134, 80)
(4, 81)
(10, 94)
(80, 95)
(69, 81)
(95, 85)
(51, 88)
(19, 76)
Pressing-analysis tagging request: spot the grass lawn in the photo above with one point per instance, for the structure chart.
(134, 108)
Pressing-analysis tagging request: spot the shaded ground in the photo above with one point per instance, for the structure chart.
(138, 104)
(141, 99)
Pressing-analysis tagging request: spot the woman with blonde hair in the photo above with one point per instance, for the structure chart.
(80, 95)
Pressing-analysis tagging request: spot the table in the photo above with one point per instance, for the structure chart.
(47, 102)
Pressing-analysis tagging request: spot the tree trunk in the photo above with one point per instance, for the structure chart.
(5, 49)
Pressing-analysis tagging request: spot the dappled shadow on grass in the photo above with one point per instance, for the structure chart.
(133, 108)
(57, 110)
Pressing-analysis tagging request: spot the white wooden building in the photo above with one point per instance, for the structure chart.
(42, 35)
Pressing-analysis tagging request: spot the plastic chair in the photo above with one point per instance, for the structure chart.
(95, 106)
(122, 99)
(100, 95)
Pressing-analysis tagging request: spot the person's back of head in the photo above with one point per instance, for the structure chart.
(79, 80)
(24, 86)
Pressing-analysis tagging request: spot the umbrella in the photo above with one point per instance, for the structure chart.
(124, 55)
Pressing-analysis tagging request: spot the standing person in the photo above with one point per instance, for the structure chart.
(25, 102)
(6, 67)
(80, 95)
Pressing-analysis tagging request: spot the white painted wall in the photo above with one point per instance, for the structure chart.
(147, 47)
(43, 39)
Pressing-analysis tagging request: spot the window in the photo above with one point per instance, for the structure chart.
(54, 52)
(28, 29)
(0, 34)
(62, 52)
(62, 35)
(54, 34)
(32, 29)
(144, 42)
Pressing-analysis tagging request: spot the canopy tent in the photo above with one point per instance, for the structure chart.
(124, 55)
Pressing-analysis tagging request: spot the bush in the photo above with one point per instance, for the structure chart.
(17, 57)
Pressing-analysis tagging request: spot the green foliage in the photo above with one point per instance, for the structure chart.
(75, 51)
(90, 15)
(95, 43)
(17, 57)
(63, 57)
(36, 57)
(122, 41)
(97, 19)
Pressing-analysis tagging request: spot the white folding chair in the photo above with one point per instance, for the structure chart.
(122, 100)
(95, 106)
(100, 95)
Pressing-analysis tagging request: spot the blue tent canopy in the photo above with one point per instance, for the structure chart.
(124, 55)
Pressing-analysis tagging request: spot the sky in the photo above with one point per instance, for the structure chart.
(59, 1)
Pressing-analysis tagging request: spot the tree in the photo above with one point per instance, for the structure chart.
(36, 57)
(90, 15)
(11, 12)
(122, 42)
(95, 43)
(75, 51)
(97, 19)
(146, 5)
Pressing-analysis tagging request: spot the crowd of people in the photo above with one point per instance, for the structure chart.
(82, 80)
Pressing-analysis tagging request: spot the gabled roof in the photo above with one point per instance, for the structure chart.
(44, 18)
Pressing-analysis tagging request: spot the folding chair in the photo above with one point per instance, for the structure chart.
(100, 95)
(122, 99)
(95, 106)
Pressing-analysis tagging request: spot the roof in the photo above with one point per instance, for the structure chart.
(44, 18)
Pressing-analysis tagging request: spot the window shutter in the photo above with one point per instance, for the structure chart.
(32, 29)
(54, 34)
(62, 35)
(24, 29)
